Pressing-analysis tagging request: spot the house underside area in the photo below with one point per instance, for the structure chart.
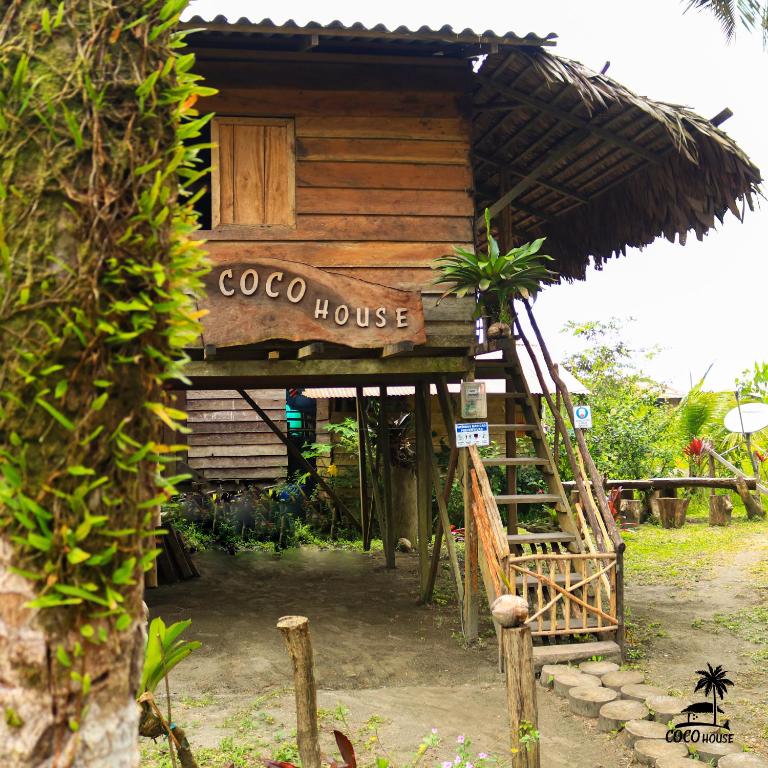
(393, 145)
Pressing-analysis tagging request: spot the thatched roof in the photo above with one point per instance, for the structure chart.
(592, 165)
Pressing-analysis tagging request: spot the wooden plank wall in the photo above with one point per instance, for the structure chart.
(383, 180)
(229, 441)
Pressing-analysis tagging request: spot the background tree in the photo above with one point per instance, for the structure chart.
(631, 435)
(96, 101)
(750, 14)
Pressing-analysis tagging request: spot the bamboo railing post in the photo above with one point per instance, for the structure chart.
(295, 631)
(471, 566)
(517, 652)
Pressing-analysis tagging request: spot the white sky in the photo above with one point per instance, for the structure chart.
(702, 303)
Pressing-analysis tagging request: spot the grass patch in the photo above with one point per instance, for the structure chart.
(675, 556)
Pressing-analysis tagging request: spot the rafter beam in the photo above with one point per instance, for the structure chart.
(567, 117)
(557, 153)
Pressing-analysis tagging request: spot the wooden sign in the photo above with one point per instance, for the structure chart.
(270, 299)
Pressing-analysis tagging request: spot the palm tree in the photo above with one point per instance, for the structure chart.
(751, 14)
(713, 681)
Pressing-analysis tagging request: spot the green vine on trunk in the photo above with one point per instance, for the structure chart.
(97, 279)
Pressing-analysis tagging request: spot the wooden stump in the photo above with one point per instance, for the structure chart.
(666, 708)
(517, 650)
(587, 700)
(548, 672)
(648, 751)
(564, 681)
(672, 511)
(615, 714)
(715, 752)
(744, 760)
(617, 680)
(640, 692)
(720, 508)
(295, 631)
(631, 511)
(635, 730)
(598, 668)
(676, 762)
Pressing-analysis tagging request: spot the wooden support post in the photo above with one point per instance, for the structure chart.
(471, 565)
(453, 460)
(423, 484)
(295, 631)
(517, 654)
(385, 519)
(362, 469)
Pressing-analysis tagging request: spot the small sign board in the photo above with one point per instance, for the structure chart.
(473, 402)
(582, 417)
(472, 433)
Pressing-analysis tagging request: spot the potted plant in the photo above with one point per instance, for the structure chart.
(495, 278)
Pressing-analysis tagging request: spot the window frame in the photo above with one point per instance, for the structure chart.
(219, 120)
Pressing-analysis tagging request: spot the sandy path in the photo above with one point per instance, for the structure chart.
(687, 638)
(376, 652)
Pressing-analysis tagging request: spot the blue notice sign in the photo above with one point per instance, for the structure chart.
(472, 433)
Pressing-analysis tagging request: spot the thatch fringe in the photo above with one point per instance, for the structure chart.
(699, 173)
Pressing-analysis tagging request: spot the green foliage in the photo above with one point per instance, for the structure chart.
(494, 276)
(163, 651)
(633, 434)
(97, 282)
(701, 413)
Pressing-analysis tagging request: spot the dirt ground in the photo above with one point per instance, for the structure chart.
(385, 667)
(681, 634)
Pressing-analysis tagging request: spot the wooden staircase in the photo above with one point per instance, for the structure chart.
(571, 576)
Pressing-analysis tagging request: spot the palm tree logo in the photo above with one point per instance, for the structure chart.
(713, 681)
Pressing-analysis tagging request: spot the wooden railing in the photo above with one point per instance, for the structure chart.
(572, 593)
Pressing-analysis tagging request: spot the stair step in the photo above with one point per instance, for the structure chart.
(514, 461)
(515, 427)
(568, 652)
(557, 537)
(528, 498)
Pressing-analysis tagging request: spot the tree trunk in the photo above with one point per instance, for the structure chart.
(404, 517)
(94, 278)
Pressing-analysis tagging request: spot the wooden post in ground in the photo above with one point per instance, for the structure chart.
(511, 612)
(295, 631)
(388, 531)
(362, 469)
(471, 565)
(423, 484)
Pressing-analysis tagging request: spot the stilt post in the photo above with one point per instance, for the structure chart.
(423, 484)
(471, 564)
(362, 469)
(388, 531)
(295, 631)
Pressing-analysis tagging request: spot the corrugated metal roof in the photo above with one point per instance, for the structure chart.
(423, 41)
(492, 386)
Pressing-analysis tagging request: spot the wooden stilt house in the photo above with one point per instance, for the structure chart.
(347, 159)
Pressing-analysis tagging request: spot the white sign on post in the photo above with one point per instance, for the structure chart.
(472, 433)
(582, 417)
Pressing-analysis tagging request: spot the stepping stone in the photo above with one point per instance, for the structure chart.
(634, 730)
(648, 751)
(617, 680)
(614, 714)
(598, 668)
(666, 708)
(564, 681)
(640, 692)
(714, 751)
(548, 672)
(743, 760)
(587, 700)
(676, 762)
